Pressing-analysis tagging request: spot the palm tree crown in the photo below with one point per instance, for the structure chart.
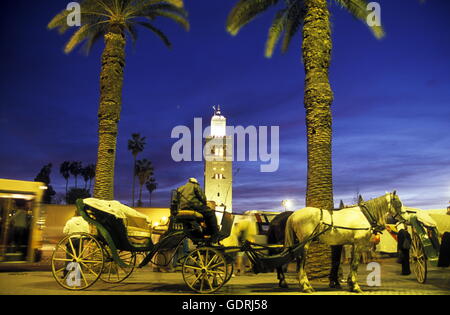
(75, 169)
(99, 17)
(135, 145)
(64, 169)
(288, 20)
(151, 186)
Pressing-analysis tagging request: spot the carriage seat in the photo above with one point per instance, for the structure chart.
(189, 215)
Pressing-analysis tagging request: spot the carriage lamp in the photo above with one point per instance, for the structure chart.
(286, 204)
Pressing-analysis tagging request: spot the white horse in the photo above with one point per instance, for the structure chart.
(244, 229)
(349, 226)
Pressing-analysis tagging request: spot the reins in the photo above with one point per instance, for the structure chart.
(367, 209)
(338, 226)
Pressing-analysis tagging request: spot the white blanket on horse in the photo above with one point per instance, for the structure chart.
(137, 223)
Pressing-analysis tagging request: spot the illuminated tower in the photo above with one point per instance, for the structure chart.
(218, 163)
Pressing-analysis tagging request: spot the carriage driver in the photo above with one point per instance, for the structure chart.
(192, 197)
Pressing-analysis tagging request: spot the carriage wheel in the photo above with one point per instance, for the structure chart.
(112, 272)
(205, 270)
(418, 259)
(77, 261)
(230, 268)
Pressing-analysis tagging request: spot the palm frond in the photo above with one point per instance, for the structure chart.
(179, 19)
(295, 19)
(139, 6)
(91, 41)
(85, 31)
(59, 21)
(162, 6)
(358, 8)
(244, 12)
(276, 30)
(132, 31)
(158, 32)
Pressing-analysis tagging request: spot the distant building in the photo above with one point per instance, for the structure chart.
(218, 163)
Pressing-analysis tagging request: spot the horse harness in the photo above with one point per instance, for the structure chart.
(374, 226)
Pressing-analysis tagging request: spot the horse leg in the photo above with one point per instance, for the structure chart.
(240, 267)
(336, 252)
(352, 277)
(305, 286)
(282, 280)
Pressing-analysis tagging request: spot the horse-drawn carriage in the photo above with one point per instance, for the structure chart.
(123, 234)
(110, 254)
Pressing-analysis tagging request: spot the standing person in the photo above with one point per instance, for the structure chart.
(76, 224)
(192, 197)
(20, 224)
(403, 246)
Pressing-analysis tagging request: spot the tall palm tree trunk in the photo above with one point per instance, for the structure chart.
(111, 81)
(317, 100)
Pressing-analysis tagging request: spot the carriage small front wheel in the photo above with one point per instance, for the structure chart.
(205, 270)
(77, 261)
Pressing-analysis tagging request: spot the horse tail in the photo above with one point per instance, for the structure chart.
(289, 234)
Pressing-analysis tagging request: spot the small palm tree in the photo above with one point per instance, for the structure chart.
(144, 170)
(112, 21)
(135, 145)
(75, 170)
(151, 186)
(64, 169)
(88, 174)
(91, 175)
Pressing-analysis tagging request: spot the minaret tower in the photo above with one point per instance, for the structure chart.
(218, 163)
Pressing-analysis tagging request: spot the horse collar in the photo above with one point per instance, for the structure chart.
(376, 228)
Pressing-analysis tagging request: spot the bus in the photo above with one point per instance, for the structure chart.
(21, 221)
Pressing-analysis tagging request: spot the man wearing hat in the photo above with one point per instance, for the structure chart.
(192, 197)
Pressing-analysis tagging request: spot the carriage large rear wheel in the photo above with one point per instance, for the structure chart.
(205, 270)
(77, 261)
(418, 259)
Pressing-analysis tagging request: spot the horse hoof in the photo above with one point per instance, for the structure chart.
(283, 284)
(356, 290)
(334, 284)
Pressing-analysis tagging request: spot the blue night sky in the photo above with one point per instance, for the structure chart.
(391, 109)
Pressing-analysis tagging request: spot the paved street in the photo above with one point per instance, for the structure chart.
(144, 282)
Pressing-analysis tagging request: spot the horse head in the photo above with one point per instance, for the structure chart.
(395, 205)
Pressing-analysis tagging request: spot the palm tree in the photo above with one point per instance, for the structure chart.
(312, 17)
(91, 174)
(135, 145)
(64, 169)
(88, 174)
(75, 170)
(144, 170)
(151, 186)
(113, 20)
